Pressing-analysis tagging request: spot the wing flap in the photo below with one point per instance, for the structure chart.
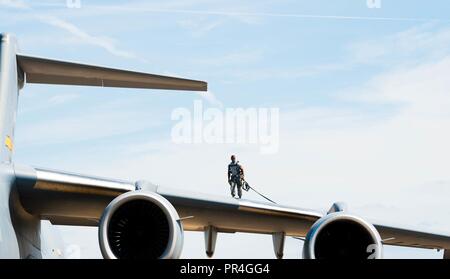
(412, 238)
(42, 70)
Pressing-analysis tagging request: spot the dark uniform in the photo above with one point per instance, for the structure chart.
(235, 177)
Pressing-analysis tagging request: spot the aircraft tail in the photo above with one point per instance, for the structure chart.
(11, 80)
(17, 69)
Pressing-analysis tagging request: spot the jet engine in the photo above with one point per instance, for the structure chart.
(342, 236)
(140, 225)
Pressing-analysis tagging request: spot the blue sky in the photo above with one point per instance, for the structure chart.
(363, 98)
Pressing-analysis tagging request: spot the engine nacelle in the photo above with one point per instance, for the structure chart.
(140, 225)
(342, 236)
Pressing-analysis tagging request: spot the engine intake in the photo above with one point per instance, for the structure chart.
(342, 236)
(140, 225)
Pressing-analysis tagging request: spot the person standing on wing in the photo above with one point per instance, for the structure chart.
(235, 176)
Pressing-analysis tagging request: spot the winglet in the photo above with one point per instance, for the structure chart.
(42, 70)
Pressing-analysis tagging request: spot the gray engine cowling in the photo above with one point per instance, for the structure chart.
(342, 236)
(140, 225)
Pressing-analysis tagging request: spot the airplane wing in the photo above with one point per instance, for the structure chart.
(72, 199)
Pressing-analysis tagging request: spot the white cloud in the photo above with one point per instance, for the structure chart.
(199, 27)
(14, 4)
(78, 35)
(423, 90)
(211, 98)
(417, 44)
(249, 14)
(82, 36)
(241, 57)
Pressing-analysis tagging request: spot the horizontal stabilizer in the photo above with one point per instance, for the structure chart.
(41, 70)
